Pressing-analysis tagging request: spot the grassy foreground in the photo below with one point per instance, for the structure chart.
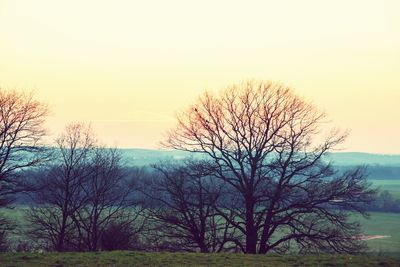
(127, 258)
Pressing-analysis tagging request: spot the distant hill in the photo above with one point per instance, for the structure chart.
(358, 158)
(379, 166)
(139, 157)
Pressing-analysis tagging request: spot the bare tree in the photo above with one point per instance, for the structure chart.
(262, 140)
(59, 192)
(21, 132)
(108, 200)
(81, 194)
(182, 208)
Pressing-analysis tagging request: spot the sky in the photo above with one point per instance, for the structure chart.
(127, 67)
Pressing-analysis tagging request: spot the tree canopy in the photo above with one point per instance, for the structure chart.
(264, 143)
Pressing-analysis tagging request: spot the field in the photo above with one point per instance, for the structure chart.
(379, 223)
(125, 258)
(386, 224)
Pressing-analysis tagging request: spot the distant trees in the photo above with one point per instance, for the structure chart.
(21, 134)
(261, 137)
(80, 194)
(384, 202)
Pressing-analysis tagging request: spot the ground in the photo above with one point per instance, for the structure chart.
(125, 258)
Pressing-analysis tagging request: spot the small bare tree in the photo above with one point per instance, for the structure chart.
(109, 200)
(59, 191)
(182, 210)
(21, 133)
(81, 194)
(261, 139)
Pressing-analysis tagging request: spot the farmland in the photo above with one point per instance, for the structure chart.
(379, 223)
(385, 224)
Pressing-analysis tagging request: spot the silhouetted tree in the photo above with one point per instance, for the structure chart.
(182, 198)
(108, 200)
(261, 139)
(59, 191)
(21, 132)
(80, 194)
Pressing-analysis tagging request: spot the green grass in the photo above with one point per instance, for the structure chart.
(393, 186)
(16, 214)
(382, 223)
(125, 258)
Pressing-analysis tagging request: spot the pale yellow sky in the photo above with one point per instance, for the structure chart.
(128, 66)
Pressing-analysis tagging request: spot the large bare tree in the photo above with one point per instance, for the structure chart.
(266, 145)
(22, 130)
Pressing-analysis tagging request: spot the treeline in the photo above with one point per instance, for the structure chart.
(86, 199)
(263, 186)
(384, 202)
(89, 201)
(81, 199)
(376, 172)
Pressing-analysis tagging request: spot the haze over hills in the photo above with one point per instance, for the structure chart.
(379, 166)
(138, 157)
(360, 158)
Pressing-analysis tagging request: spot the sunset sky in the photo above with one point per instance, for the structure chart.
(128, 66)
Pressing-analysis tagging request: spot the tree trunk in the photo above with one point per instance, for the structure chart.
(265, 236)
(263, 247)
(61, 236)
(203, 248)
(251, 232)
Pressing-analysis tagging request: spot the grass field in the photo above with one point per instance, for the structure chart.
(125, 258)
(393, 186)
(379, 223)
(382, 223)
